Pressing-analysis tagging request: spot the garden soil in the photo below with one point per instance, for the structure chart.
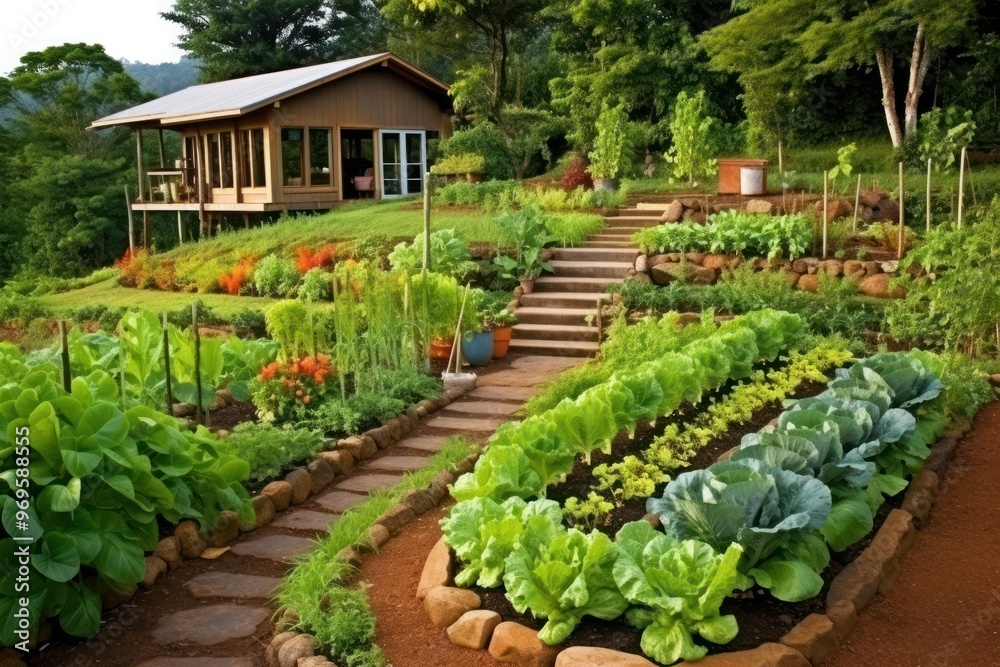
(944, 609)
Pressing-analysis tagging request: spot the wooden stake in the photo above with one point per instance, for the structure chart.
(66, 372)
(131, 223)
(826, 208)
(902, 216)
(166, 365)
(781, 161)
(857, 201)
(961, 187)
(138, 149)
(427, 222)
(197, 360)
(180, 227)
(928, 194)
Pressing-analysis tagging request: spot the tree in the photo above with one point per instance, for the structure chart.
(65, 184)
(690, 129)
(782, 42)
(502, 25)
(236, 38)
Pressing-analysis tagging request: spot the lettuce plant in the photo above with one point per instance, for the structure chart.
(678, 588)
(483, 533)
(100, 479)
(563, 575)
(500, 473)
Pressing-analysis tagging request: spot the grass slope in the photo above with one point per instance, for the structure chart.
(113, 295)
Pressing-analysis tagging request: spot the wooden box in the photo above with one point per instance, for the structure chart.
(729, 174)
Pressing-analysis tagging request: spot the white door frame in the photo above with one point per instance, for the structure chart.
(403, 180)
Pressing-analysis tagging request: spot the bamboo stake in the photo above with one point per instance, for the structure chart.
(197, 360)
(826, 208)
(166, 365)
(961, 188)
(427, 222)
(928, 194)
(180, 227)
(67, 374)
(902, 216)
(456, 348)
(857, 201)
(781, 160)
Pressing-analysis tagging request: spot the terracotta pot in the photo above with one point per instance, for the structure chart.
(501, 341)
(473, 178)
(528, 286)
(441, 348)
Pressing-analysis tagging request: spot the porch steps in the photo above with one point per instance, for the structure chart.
(555, 348)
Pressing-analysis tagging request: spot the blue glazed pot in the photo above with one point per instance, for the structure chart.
(477, 348)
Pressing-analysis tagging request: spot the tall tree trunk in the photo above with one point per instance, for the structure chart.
(884, 59)
(920, 63)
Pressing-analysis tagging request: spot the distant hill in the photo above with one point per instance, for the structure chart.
(164, 78)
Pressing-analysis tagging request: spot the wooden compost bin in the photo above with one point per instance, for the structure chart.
(729, 174)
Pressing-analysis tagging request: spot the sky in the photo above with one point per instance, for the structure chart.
(131, 29)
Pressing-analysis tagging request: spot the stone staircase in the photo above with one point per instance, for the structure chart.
(552, 320)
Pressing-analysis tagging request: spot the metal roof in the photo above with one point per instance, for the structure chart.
(227, 99)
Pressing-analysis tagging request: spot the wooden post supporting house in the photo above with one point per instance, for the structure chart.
(131, 223)
(200, 177)
(163, 155)
(142, 178)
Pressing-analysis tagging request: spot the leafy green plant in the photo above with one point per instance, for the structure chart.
(100, 480)
(270, 450)
(844, 168)
(611, 155)
(941, 135)
(315, 286)
(563, 575)
(733, 232)
(677, 588)
(449, 255)
(690, 128)
(276, 277)
(463, 163)
(525, 230)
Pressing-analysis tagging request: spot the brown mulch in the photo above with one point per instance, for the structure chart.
(944, 608)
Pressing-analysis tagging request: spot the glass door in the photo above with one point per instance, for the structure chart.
(404, 160)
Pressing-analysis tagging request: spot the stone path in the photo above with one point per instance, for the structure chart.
(227, 618)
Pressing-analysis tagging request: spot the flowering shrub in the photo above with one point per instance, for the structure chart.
(135, 268)
(576, 175)
(309, 260)
(285, 391)
(234, 281)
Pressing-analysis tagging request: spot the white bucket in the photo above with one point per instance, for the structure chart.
(751, 181)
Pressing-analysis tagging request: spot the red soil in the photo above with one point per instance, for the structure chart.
(945, 606)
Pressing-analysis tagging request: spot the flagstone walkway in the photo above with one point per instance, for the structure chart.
(218, 613)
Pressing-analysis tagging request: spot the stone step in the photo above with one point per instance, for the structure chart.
(432, 443)
(232, 585)
(596, 254)
(641, 223)
(339, 501)
(489, 408)
(623, 229)
(590, 269)
(274, 547)
(566, 316)
(554, 332)
(500, 393)
(398, 463)
(209, 625)
(563, 300)
(366, 483)
(568, 284)
(465, 423)
(555, 347)
(607, 244)
(300, 519)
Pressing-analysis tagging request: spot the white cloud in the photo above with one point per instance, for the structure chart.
(131, 29)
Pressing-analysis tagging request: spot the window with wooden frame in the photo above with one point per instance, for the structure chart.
(253, 170)
(311, 146)
(219, 146)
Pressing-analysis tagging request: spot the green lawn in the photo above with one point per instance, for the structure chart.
(113, 295)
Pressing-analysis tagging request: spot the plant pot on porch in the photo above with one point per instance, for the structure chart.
(441, 348)
(473, 177)
(477, 348)
(501, 341)
(607, 184)
(527, 285)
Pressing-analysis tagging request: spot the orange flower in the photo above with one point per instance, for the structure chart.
(268, 372)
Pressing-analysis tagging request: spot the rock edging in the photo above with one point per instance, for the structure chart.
(805, 645)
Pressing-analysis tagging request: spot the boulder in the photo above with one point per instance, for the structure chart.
(765, 655)
(515, 644)
(396, 429)
(445, 605)
(641, 278)
(301, 484)
(376, 536)
(271, 653)
(892, 266)
(299, 646)
(642, 263)
(891, 541)
(793, 277)
(184, 409)
(857, 583)
(280, 493)
(759, 206)
(878, 286)
(656, 260)
(809, 282)
(340, 462)
(263, 510)
(592, 656)
(381, 435)
(396, 517)
(191, 541)
(474, 629)
(226, 530)
(362, 447)
(673, 212)
(691, 203)
(320, 475)
(843, 615)
(155, 567)
(169, 550)
(870, 198)
(701, 275)
(832, 267)
(887, 210)
(695, 257)
(836, 208)
(698, 217)
(921, 494)
(419, 501)
(854, 269)
(665, 272)
(814, 637)
(314, 661)
(437, 570)
(717, 262)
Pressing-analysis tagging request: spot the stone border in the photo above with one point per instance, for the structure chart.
(805, 645)
(872, 277)
(292, 649)
(338, 459)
